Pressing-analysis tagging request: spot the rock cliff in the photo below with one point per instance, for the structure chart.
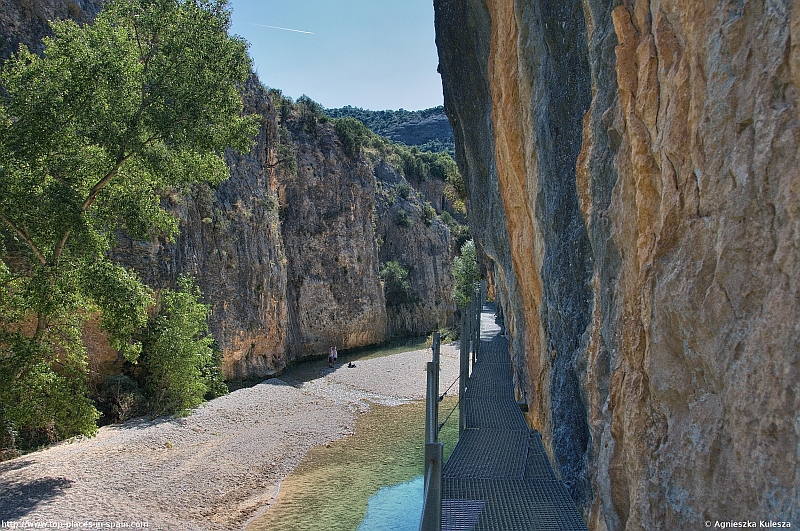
(286, 250)
(230, 241)
(411, 234)
(26, 21)
(637, 165)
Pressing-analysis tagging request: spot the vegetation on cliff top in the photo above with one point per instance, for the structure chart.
(412, 128)
(144, 100)
(357, 137)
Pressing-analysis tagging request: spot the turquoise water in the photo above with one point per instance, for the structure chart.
(395, 508)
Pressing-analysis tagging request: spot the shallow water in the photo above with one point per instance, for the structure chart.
(398, 508)
(331, 488)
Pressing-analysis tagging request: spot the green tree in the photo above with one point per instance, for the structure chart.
(465, 270)
(352, 134)
(146, 99)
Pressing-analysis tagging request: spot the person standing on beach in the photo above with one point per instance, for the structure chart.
(331, 350)
(335, 354)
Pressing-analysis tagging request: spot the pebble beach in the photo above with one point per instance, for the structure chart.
(216, 468)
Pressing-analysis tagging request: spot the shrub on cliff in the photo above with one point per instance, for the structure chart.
(146, 99)
(352, 135)
(465, 270)
(395, 283)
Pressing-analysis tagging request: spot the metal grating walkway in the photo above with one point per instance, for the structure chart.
(499, 476)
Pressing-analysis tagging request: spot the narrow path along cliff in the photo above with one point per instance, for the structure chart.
(215, 468)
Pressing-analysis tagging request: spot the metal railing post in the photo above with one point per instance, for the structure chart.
(434, 451)
(463, 371)
(437, 367)
(432, 506)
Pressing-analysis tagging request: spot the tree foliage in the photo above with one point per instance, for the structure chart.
(146, 99)
(395, 283)
(465, 271)
(352, 135)
(386, 122)
(178, 359)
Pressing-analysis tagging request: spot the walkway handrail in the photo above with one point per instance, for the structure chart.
(432, 504)
(434, 450)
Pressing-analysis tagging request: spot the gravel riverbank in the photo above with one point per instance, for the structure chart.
(213, 469)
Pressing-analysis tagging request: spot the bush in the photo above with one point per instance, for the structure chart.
(403, 189)
(310, 113)
(352, 135)
(178, 362)
(395, 283)
(402, 218)
(428, 213)
(465, 270)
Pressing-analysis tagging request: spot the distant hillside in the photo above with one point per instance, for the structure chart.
(429, 129)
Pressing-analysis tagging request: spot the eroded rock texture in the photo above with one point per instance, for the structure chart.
(286, 252)
(328, 203)
(230, 241)
(420, 242)
(638, 165)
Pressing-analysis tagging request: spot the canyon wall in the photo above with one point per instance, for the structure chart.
(230, 242)
(285, 251)
(410, 233)
(633, 177)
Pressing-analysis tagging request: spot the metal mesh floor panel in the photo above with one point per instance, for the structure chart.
(499, 476)
(488, 454)
(491, 412)
(537, 464)
(490, 379)
(461, 515)
(515, 504)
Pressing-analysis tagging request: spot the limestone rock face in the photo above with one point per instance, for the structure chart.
(328, 205)
(230, 242)
(422, 246)
(25, 21)
(644, 158)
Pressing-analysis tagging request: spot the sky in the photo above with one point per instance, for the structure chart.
(374, 54)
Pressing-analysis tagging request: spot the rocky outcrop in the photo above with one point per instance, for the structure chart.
(26, 21)
(328, 204)
(422, 130)
(286, 250)
(230, 241)
(410, 233)
(638, 167)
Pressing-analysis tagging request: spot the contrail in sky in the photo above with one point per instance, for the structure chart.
(279, 28)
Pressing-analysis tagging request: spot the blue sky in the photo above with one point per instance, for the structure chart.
(375, 54)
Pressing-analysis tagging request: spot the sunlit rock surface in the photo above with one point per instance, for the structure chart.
(633, 175)
(287, 260)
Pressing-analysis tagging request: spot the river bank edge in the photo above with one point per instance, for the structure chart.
(216, 468)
